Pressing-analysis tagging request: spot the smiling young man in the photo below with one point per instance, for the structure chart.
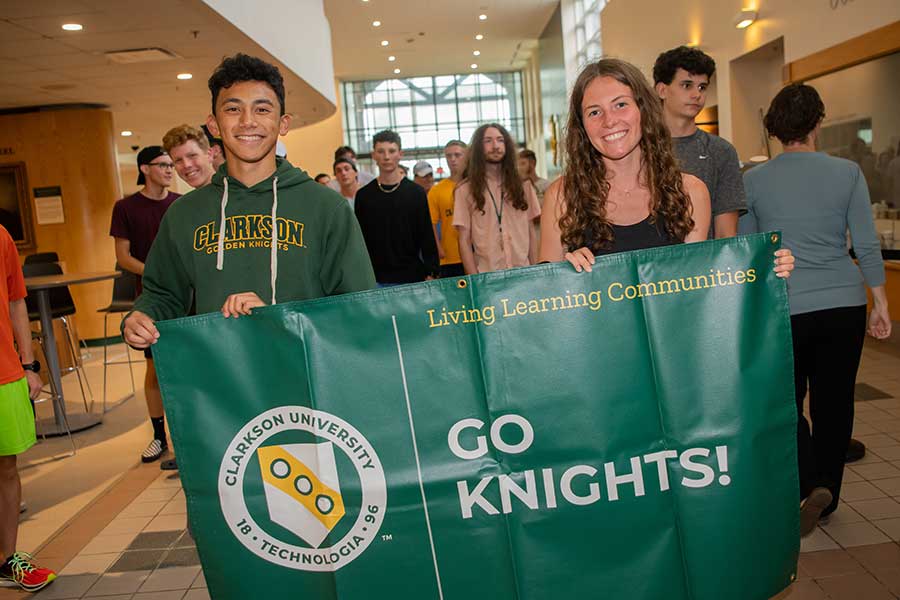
(681, 77)
(393, 214)
(190, 153)
(262, 232)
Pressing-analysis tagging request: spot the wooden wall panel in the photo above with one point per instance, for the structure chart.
(879, 42)
(73, 149)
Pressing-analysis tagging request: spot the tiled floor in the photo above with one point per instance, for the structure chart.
(144, 553)
(130, 543)
(856, 555)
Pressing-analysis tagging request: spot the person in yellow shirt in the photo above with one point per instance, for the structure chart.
(440, 203)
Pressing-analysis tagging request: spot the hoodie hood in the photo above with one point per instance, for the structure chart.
(288, 176)
(285, 176)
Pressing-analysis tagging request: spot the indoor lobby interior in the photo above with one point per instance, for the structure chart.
(87, 83)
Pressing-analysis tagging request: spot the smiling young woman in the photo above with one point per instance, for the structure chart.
(621, 189)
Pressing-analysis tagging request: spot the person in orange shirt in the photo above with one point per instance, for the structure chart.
(440, 204)
(19, 381)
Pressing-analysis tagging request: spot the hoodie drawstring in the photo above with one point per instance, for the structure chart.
(273, 256)
(220, 251)
(273, 260)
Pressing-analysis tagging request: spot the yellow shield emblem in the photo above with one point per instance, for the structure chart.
(303, 492)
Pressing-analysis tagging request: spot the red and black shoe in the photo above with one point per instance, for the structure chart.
(21, 570)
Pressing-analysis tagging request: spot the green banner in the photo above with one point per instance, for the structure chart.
(533, 434)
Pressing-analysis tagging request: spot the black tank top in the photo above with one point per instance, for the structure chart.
(636, 237)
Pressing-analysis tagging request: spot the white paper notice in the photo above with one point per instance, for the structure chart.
(49, 210)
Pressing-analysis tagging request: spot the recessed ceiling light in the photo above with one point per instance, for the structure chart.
(479, 37)
(184, 76)
(72, 27)
(384, 42)
(482, 17)
(476, 53)
(474, 65)
(392, 58)
(127, 133)
(376, 23)
(396, 71)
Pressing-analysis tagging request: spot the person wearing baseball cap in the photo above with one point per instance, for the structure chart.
(135, 222)
(423, 174)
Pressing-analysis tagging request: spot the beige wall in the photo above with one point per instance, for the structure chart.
(72, 149)
(755, 79)
(806, 25)
(312, 148)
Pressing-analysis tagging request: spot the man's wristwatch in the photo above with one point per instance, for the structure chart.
(35, 367)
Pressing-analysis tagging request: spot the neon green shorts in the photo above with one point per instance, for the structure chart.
(16, 418)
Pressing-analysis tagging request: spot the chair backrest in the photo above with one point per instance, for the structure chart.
(61, 303)
(42, 257)
(124, 286)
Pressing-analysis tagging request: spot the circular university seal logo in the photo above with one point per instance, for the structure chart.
(302, 489)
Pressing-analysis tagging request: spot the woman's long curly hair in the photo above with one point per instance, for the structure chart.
(476, 169)
(583, 221)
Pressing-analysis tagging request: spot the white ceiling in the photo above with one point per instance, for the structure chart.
(41, 64)
(433, 37)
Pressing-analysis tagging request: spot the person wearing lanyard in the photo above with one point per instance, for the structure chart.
(493, 212)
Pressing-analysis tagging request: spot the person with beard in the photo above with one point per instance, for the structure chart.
(493, 212)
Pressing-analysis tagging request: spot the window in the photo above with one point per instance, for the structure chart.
(587, 30)
(428, 112)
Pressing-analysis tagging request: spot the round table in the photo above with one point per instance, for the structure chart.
(40, 287)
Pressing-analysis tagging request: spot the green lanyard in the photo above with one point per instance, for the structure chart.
(497, 211)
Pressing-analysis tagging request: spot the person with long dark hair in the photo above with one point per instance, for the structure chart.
(621, 188)
(815, 200)
(493, 212)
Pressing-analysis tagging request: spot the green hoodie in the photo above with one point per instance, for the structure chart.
(320, 250)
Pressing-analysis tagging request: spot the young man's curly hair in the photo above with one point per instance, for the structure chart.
(794, 113)
(692, 60)
(241, 67)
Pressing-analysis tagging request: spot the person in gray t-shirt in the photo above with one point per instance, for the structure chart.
(681, 77)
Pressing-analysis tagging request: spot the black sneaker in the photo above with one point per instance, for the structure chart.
(169, 465)
(811, 509)
(154, 450)
(856, 450)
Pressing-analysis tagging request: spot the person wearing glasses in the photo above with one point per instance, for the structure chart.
(135, 222)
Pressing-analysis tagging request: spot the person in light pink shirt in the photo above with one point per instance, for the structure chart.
(493, 212)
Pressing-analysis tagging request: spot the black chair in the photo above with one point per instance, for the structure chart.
(61, 307)
(123, 296)
(42, 257)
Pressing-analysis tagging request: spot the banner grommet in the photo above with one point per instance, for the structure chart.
(774, 238)
(462, 284)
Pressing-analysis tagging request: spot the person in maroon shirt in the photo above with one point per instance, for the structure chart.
(135, 222)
